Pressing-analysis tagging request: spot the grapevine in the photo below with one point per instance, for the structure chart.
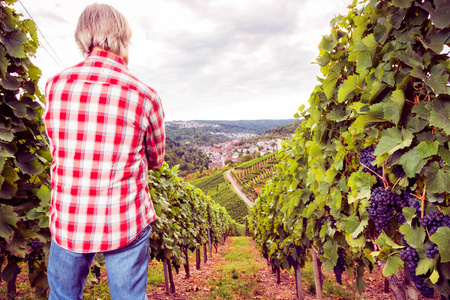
(24, 154)
(371, 157)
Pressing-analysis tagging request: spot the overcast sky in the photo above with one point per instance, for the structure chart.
(208, 59)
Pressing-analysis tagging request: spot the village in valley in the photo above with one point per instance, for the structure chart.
(234, 149)
(221, 153)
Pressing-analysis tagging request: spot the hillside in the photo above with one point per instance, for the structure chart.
(282, 132)
(252, 175)
(207, 133)
(220, 190)
(189, 159)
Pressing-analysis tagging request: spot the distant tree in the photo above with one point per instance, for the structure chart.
(247, 157)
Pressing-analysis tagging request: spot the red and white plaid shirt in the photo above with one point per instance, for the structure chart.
(106, 129)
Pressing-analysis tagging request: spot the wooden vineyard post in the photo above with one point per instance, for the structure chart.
(298, 282)
(166, 276)
(198, 258)
(205, 256)
(172, 283)
(209, 243)
(317, 274)
(386, 285)
(11, 287)
(186, 265)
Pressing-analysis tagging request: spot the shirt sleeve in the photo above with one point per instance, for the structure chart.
(155, 136)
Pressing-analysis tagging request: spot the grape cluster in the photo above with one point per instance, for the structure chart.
(400, 202)
(432, 251)
(330, 218)
(433, 221)
(36, 254)
(366, 158)
(339, 268)
(398, 171)
(382, 207)
(410, 257)
(400, 218)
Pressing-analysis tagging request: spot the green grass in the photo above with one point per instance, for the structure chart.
(236, 279)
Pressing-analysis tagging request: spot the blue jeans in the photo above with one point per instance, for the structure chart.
(126, 268)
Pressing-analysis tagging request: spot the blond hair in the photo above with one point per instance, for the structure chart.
(101, 25)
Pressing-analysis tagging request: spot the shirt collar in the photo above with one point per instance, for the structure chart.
(107, 55)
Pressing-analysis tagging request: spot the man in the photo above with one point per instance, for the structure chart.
(106, 130)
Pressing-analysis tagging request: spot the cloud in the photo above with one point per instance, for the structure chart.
(51, 16)
(207, 59)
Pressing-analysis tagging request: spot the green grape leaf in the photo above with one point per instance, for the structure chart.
(427, 149)
(435, 39)
(363, 61)
(8, 189)
(393, 265)
(327, 43)
(438, 179)
(32, 167)
(34, 72)
(439, 14)
(409, 214)
(409, 57)
(440, 114)
(19, 241)
(13, 42)
(44, 194)
(392, 112)
(392, 140)
(401, 3)
(424, 266)
(9, 173)
(434, 277)
(361, 226)
(414, 236)
(330, 250)
(8, 220)
(412, 162)
(371, 44)
(10, 82)
(444, 154)
(360, 184)
(377, 89)
(329, 84)
(4, 62)
(347, 87)
(397, 18)
(398, 97)
(442, 240)
(383, 240)
(355, 242)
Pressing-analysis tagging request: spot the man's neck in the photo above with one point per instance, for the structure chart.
(125, 59)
